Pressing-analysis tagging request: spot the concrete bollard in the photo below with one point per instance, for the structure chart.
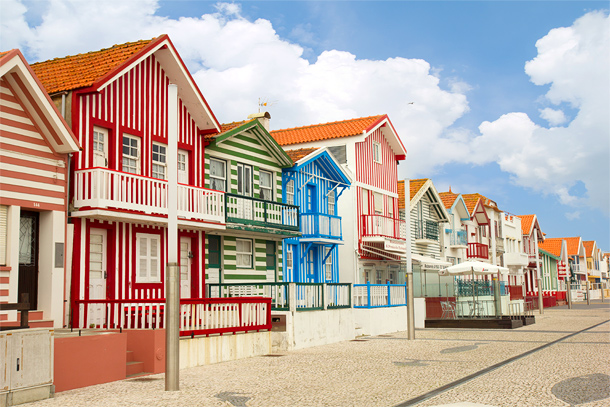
(588, 293)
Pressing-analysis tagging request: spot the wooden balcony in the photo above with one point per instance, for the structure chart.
(320, 226)
(257, 212)
(477, 251)
(102, 188)
(378, 226)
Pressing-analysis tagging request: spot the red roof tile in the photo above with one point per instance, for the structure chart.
(82, 70)
(448, 198)
(526, 223)
(415, 185)
(296, 155)
(552, 245)
(471, 201)
(573, 245)
(589, 247)
(3, 53)
(401, 194)
(324, 131)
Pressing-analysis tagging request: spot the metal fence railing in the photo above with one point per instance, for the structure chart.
(379, 295)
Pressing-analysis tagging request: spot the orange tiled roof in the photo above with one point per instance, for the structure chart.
(552, 245)
(324, 131)
(415, 185)
(401, 194)
(3, 53)
(471, 201)
(296, 155)
(82, 70)
(526, 223)
(448, 198)
(573, 245)
(588, 247)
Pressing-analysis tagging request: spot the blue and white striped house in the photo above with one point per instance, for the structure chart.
(314, 184)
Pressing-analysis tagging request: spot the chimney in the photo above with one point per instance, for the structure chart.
(262, 117)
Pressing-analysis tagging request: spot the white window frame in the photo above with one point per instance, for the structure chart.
(244, 179)
(365, 202)
(129, 156)
(332, 203)
(290, 192)
(328, 265)
(150, 275)
(289, 258)
(378, 203)
(377, 152)
(220, 178)
(183, 166)
(262, 188)
(100, 146)
(159, 165)
(390, 207)
(241, 255)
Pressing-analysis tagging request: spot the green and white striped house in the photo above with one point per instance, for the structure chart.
(244, 161)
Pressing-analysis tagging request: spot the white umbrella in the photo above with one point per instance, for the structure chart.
(473, 268)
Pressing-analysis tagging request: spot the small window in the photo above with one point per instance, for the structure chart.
(159, 162)
(131, 154)
(218, 174)
(244, 180)
(378, 277)
(365, 202)
(100, 147)
(331, 202)
(390, 207)
(183, 167)
(265, 185)
(149, 261)
(377, 152)
(378, 203)
(289, 257)
(243, 253)
(290, 192)
(328, 265)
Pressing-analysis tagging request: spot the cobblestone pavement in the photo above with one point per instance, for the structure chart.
(389, 370)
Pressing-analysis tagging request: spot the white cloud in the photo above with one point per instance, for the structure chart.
(236, 61)
(573, 215)
(554, 117)
(575, 61)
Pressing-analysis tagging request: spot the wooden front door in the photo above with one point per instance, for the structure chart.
(28, 257)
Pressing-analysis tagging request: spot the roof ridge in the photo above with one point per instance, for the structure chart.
(326, 124)
(129, 43)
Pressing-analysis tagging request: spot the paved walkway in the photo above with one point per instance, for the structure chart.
(562, 360)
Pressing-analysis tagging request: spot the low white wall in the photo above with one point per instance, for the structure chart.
(314, 328)
(378, 321)
(214, 349)
(419, 312)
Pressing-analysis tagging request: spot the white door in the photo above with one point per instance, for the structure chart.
(183, 167)
(100, 147)
(185, 267)
(97, 276)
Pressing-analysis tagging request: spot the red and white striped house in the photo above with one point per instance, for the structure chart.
(117, 102)
(375, 238)
(35, 143)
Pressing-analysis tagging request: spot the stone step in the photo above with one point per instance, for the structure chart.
(134, 368)
(130, 356)
(42, 323)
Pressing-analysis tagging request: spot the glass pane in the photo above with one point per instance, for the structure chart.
(143, 268)
(154, 269)
(143, 246)
(265, 179)
(153, 247)
(26, 234)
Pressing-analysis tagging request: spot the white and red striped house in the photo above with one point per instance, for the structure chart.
(532, 237)
(118, 103)
(35, 143)
(374, 235)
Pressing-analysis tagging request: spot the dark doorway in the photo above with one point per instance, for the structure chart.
(28, 257)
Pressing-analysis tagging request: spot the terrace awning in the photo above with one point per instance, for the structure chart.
(473, 268)
(429, 263)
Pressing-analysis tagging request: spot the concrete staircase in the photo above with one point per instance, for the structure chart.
(134, 368)
(35, 320)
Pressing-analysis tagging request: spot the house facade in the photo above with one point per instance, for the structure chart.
(244, 162)
(514, 257)
(557, 247)
(577, 259)
(478, 229)
(455, 231)
(428, 217)
(35, 143)
(125, 104)
(374, 235)
(532, 236)
(315, 183)
(593, 261)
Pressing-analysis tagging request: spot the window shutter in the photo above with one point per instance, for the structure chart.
(3, 233)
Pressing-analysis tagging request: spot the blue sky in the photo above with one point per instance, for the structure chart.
(535, 137)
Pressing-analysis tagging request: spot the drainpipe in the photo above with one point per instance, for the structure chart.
(540, 305)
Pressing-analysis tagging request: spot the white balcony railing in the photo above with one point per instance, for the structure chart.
(104, 188)
(383, 226)
(515, 259)
(579, 268)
